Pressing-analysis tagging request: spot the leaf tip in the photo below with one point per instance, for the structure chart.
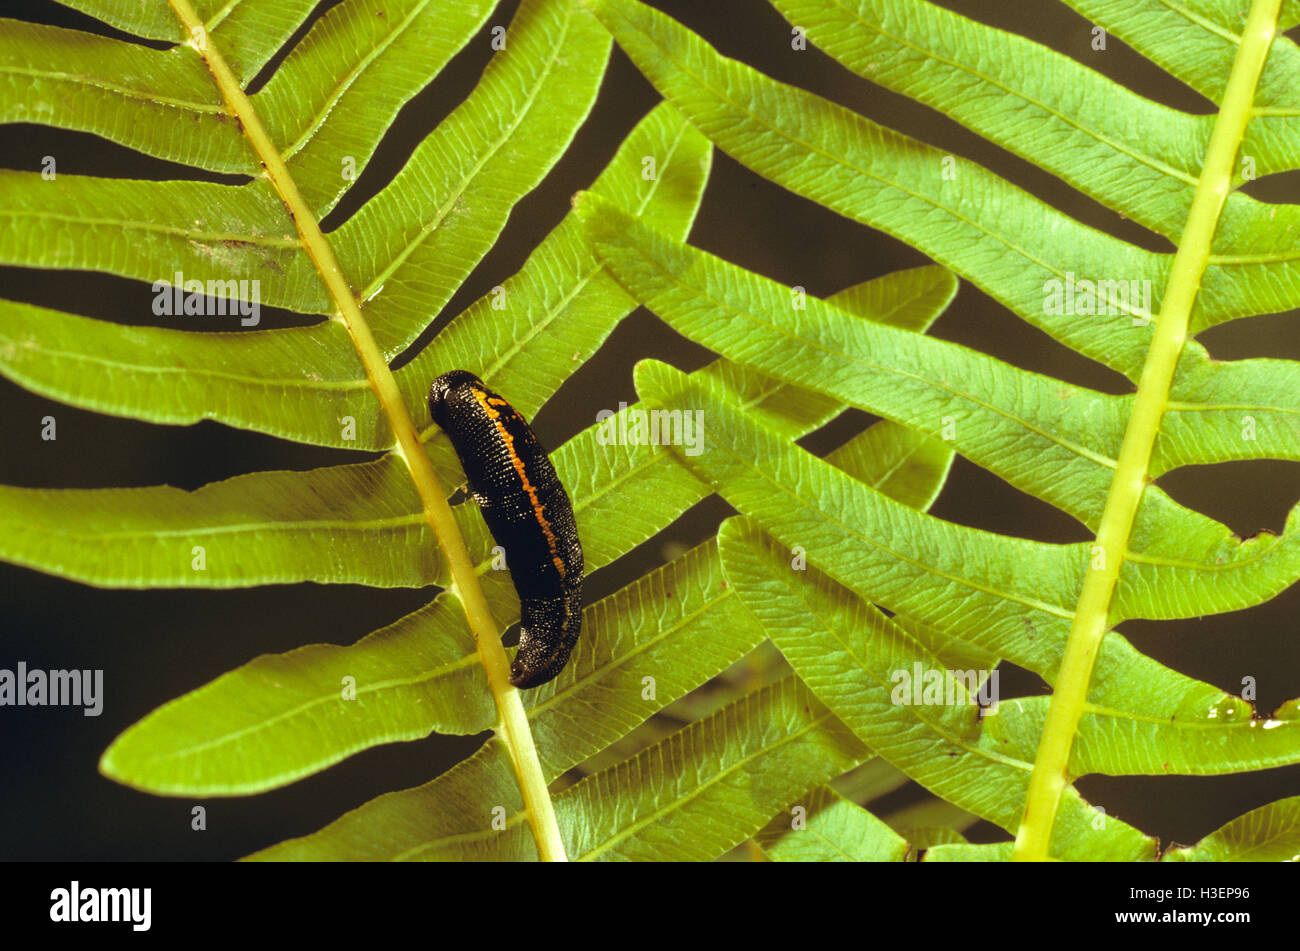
(109, 767)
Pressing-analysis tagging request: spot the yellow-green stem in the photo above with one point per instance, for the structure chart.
(1050, 774)
(513, 727)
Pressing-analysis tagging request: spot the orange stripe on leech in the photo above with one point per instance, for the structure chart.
(509, 442)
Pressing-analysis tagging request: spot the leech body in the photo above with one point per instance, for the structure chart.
(528, 513)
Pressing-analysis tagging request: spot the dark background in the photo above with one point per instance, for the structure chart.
(155, 645)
